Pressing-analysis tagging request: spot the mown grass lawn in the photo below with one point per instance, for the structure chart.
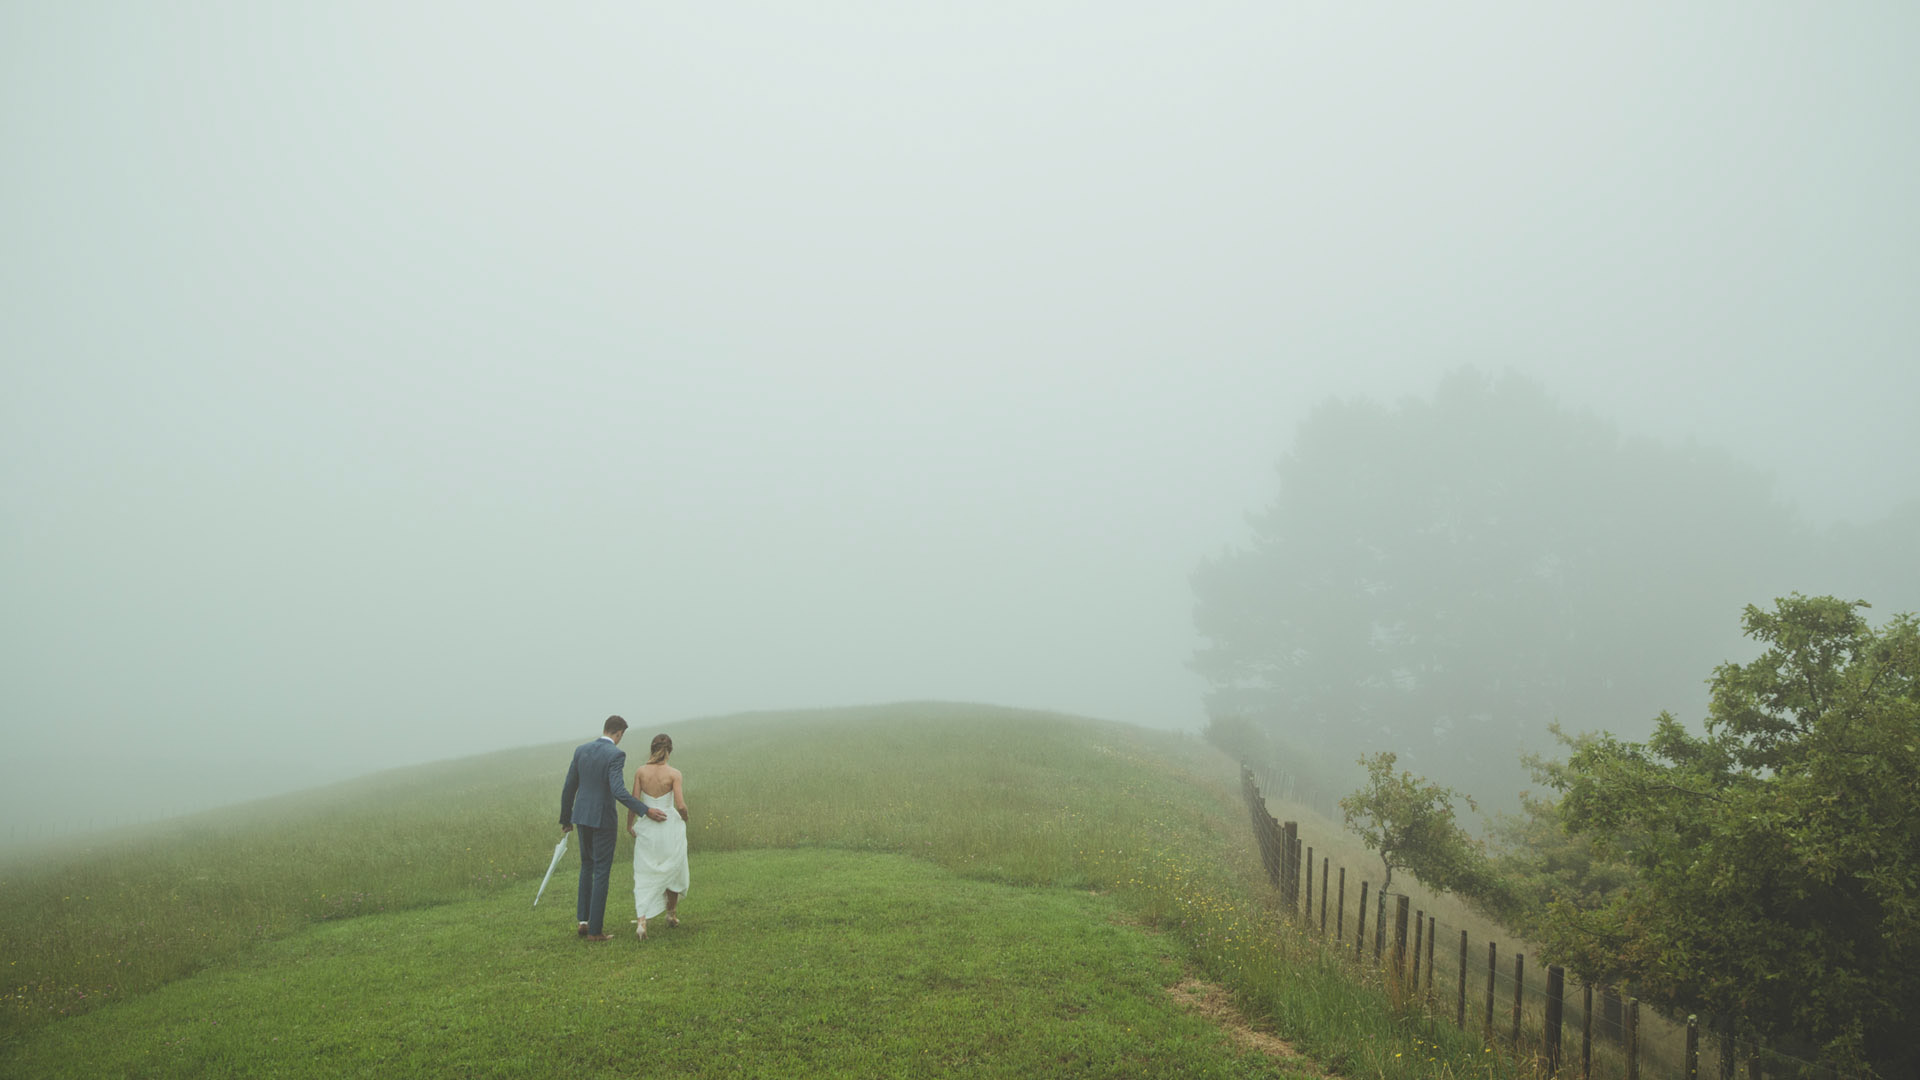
(787, 963)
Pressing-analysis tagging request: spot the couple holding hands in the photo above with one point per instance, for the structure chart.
(657, 805)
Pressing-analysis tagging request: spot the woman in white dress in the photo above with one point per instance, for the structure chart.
(659, 847)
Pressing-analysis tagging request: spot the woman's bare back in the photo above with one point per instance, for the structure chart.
(658, 780)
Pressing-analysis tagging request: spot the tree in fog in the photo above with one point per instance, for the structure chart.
(1445, 577)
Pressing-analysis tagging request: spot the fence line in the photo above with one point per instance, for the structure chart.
(1543, 1023)
(1289, 787)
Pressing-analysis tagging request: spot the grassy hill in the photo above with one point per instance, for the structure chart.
(900, 890)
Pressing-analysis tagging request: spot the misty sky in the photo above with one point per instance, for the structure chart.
(385, 383)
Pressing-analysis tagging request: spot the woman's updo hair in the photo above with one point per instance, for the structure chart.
(662, 746)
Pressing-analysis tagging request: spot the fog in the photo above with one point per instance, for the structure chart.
(383, 385)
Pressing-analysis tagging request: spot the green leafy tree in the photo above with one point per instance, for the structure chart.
(1777, 856)
(1409, 822)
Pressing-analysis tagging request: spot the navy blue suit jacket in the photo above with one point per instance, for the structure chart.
(595, 782)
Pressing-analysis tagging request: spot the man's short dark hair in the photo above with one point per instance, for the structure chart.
(613, 726)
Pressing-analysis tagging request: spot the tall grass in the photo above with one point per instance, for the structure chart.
(115, 913)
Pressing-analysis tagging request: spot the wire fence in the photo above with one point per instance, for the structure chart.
(1287, 786)
(1542, 1019)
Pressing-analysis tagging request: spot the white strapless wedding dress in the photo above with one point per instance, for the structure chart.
(659, 857)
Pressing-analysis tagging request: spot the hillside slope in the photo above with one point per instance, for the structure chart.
(132, 953)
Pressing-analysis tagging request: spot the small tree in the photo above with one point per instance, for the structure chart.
(1409, 821)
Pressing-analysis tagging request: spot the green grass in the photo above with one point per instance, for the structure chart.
(998, 810)
(787, 963)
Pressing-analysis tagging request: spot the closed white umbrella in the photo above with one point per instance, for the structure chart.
(559, 849)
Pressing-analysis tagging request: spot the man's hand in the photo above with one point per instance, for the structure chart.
(566, 828)
(654, 813)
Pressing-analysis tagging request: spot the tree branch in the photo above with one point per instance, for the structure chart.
(1654, 785)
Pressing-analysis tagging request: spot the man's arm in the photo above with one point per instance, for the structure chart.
(616, 783)
(566, 794)
(636, 794)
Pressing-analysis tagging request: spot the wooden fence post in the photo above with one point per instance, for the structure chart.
(1691, 1069)
(1293, 901)
(1323, 895)
(1433, 931)
(1633, 1038)
(1556, 987)
(1279, 832)
(1460, 1013)
(1380, 925)
(1270, 844)
(1277, 841)
(1586, 1033)
(1290, 865)
(1493, 954)
(1726, 1045)
(1340, 916)
(1400, 904)
(1419, 938)
(1519, 984)
(1309, 897)
(1360, 938)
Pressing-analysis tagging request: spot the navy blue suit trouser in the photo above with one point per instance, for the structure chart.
(596, 872)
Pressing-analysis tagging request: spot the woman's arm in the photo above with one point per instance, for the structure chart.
(636, 794)
(680, 795)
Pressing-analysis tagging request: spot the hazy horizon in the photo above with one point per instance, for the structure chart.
(390, 385)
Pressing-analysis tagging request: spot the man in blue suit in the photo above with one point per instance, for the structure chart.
(595, 782)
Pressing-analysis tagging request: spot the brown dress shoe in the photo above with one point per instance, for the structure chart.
(599, 937)
(583, 930)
